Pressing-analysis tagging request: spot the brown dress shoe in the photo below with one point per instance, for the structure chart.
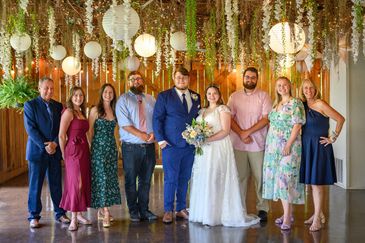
(183, 214)
(167, 218)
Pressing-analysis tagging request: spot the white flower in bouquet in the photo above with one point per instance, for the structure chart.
(196, 134)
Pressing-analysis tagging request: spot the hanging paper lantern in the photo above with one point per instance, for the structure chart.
(71, 65)
(178, 41)
(287, 61)
(286, 38)
(114, 22)
(20, 41)
(145, 45)
(58, 52)
(92, 49)
(132, 63)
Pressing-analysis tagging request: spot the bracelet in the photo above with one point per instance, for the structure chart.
(334, 136)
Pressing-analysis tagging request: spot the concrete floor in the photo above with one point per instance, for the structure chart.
(344, 210)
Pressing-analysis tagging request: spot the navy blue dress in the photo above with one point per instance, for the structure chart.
(318, 162)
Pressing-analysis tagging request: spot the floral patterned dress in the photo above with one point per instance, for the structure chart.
(104, 165)
(281, 173)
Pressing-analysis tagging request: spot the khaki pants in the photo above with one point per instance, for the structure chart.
(251, 162)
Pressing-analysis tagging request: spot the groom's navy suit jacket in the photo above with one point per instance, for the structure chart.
(170, 117)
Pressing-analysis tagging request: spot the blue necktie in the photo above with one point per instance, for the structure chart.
(185, 103)
(49, 110)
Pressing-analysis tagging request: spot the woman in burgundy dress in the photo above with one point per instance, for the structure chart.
(76, 195)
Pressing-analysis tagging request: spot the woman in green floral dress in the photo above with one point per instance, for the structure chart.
(104, 155)
(283, 152)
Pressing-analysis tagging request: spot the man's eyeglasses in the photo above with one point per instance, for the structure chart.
(135, 79)
(250, 77)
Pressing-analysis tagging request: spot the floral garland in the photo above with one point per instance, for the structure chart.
(242, 57)
(95, 66)
(172, 55)
(114, 61)
(231, 12)
(51, 27)
(357, 25)
(166, 50)
(104, 63)
(278, 10)
(300, 11)
(23, 4)
(127, 38)
(5, 53)
(266, 9)
(311, 31)
(210, 49)
(89, 16)
(158, 55)
(76, 45)
(190, 10)
(35, 31)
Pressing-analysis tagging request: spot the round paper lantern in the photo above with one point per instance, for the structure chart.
(114, 21)
(178, 41)
(132, 63)
(286, 38)
(20, 41)
(71, 65)
(92, 49)
(287, 61)
(58, 52)
(145, 45)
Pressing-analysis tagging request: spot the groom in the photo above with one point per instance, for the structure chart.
(174, 109)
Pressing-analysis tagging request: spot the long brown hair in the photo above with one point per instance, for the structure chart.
(69, 103)
(100, 105)
(220, 100)
(278, 97)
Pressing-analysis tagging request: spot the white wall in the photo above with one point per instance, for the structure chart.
(347, 95)
(357, 125)
(339, 94)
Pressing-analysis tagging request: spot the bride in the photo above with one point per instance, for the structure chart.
(215, 196)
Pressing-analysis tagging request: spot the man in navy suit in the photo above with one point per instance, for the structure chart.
(42, 117)
(174, 109)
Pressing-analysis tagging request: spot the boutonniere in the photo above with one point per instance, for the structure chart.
(194, 97)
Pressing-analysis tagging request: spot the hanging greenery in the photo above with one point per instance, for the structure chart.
(357, 25)
(190, 10)
(210, 29)
(15, 92)
(16, 23)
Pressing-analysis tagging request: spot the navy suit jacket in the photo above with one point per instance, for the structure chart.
(170, 117)
(41, 129)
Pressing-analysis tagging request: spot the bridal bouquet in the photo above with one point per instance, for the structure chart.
(196, 134)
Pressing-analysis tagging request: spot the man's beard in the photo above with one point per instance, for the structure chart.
(250, 85)
(137, 90)
(182, 89)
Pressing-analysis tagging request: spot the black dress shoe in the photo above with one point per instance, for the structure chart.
(134, 216)
(148, 215)
(262, 215)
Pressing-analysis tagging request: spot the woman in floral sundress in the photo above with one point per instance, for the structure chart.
(283, 152)
(104, 155)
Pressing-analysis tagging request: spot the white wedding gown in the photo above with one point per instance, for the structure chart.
(215, 195)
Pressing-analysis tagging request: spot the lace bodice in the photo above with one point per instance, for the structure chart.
(212, 118)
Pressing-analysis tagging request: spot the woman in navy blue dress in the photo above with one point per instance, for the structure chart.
(318, 166)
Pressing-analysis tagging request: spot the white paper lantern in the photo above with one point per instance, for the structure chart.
(92, 49)
(132, 63)
(145, 45)
(178, 41)
(114, 21)
(286, 40)
(71, 65)
(58, 52)
(20, 41)
(287, 61)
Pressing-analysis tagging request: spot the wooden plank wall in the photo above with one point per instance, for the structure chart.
(12, 132)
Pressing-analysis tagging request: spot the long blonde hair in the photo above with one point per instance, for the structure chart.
(278, 97)
(301, 93)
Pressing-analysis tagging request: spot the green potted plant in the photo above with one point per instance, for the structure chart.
(15, 92)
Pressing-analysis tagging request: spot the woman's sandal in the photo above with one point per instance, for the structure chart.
(310, 220)
(101, 216)
(281, 220)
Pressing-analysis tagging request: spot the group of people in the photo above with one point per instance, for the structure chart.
(280, 161)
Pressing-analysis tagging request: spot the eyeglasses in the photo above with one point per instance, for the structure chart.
(250, 77)
(135, 79)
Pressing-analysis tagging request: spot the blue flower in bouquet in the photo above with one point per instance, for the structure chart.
(196, 134)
